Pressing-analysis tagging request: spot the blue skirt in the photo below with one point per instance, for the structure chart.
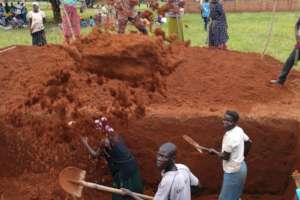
(39, 38)
(233, 184)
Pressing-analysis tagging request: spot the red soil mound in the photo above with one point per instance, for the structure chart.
(215, 77)
(142, 85)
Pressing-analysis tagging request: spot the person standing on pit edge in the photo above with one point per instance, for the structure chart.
(235, 146)
(70, 20)
(174, 18)
(205, 13)
(218, 35)
(125, 10)
(292, 59)
(37, 18)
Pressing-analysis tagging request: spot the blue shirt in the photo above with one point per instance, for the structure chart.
(298, 193)
(92, 22)
(205, 9)
(70, 2)
(2, 11)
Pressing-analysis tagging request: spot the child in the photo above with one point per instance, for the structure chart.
(205, 13)
(83, 22)
(37, 18)
(92, 22)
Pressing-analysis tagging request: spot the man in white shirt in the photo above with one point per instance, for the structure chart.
(37, 18)
(177, 179)
(235, 146)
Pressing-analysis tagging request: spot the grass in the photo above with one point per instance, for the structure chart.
(53, 32)
(247, 31)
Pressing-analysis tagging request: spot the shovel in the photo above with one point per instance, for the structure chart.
(69, 23)
(71, 179)
(195, 144)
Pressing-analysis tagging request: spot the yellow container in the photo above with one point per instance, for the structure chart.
(175, 27)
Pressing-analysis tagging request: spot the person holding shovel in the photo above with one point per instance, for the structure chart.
(70, 20)
(292, 59)
(123, 166)
(235, 146)
(177, 179)
(204, 7)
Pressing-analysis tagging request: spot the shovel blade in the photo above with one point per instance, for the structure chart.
(69, 179)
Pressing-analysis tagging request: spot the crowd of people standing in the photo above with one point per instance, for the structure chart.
(13, 15)
(16, 16)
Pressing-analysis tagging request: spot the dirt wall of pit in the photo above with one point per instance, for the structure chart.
(274, 144)
(273, 156)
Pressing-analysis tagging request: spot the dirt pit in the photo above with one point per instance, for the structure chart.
(274, 153)
(273, 157)
(152, 93)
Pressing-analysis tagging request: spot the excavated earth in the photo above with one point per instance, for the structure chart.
(152, 93)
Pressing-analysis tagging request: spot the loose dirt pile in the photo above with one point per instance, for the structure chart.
(152, 93)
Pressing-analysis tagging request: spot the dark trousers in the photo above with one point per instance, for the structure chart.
(288, 65)
(39, 38)
(205, 19)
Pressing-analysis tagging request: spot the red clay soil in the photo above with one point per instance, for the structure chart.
(152, 93)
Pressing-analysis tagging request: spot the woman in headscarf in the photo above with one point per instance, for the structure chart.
(218, 27)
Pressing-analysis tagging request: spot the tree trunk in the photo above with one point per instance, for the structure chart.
(56, 10)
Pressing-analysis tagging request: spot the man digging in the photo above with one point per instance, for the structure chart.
(235, 146)
(121, 162)
(177, 179)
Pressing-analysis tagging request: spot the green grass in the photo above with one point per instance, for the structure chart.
(247, 31)
(53, 32)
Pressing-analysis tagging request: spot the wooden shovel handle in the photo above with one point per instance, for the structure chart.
(110, 189)
(194, 143)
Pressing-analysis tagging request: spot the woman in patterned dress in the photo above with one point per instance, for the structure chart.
(218, 27)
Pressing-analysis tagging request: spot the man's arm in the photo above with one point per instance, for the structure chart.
(30, 23)
(44, 17)
(196, 187)
(223, 155)
(247, 147)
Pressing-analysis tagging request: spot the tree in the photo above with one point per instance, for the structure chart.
(56, 10)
